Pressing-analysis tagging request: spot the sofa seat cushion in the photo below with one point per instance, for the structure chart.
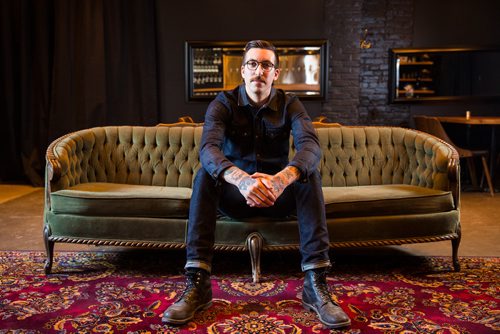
(385, 200)
(122, 200)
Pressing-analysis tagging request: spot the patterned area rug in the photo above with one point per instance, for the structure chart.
(126, 292)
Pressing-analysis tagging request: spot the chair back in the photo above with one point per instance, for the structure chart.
(433, 126)
(436, 128)
(421, 123)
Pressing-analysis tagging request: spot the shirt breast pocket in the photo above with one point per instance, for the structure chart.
(239, 138)
(276, 133)
(239, 132)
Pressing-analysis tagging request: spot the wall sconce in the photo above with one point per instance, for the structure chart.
(364, 44)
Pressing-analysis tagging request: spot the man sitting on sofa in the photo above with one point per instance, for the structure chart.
(246, 172)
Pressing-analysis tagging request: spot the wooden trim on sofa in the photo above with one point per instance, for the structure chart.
(240, 248)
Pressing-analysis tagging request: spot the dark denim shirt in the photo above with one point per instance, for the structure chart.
(236, 133)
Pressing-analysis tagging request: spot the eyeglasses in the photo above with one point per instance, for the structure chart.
(252, 65)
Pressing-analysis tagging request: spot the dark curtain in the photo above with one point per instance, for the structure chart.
(67, 65)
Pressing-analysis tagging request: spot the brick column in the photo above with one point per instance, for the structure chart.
(342, 25)
(358, 78)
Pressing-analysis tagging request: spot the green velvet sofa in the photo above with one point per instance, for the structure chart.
(131, 186)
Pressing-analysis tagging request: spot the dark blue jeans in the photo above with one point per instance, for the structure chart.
(305, 199)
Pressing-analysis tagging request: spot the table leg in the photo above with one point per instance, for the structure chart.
(493, 153)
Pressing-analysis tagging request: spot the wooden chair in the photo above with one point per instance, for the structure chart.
(421, 123)
(433, 126)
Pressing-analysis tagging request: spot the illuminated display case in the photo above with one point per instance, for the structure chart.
(212, 67)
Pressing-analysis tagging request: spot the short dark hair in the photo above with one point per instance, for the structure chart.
(261, 44)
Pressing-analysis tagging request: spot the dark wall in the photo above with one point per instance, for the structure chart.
(223, 20)
(452, 23)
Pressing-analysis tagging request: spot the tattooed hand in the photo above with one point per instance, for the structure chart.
(277, 183)
(253, 190)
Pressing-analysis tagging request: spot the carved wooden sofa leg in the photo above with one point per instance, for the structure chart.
(454, 246)
(254, 244)
(49, 248)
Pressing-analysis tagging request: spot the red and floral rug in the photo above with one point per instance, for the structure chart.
(126, 292)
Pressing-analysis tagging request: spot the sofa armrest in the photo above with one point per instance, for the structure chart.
(445, 164)
(454, 176)
(453, 171)
(57, 164)
(54, 167)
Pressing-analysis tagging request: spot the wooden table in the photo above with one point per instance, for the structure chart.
(493, 121)
(473, 120)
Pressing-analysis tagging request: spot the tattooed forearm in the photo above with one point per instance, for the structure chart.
(278, 185)
(234, 175)
(288, 175)
(283, 179)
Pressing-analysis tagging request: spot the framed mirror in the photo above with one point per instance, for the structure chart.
(444, 74)
(215, 66)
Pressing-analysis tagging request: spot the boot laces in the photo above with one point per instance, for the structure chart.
(320, 285)
(193, 282)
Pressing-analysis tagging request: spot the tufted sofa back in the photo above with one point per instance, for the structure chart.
(162, 156)
(364, 155)
(168, 156)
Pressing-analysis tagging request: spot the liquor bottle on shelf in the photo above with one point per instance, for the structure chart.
(207, 70)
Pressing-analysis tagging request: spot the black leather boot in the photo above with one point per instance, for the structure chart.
(197, 296)
(315, 297)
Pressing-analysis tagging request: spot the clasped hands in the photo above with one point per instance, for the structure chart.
(261, 190)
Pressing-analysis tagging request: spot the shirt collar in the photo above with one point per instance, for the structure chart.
(243, 99)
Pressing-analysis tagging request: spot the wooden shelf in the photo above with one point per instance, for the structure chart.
(417, 91)
(408, 63)
(204, 90)
(415, 79)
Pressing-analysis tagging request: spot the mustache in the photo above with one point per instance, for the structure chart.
(258, 78)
